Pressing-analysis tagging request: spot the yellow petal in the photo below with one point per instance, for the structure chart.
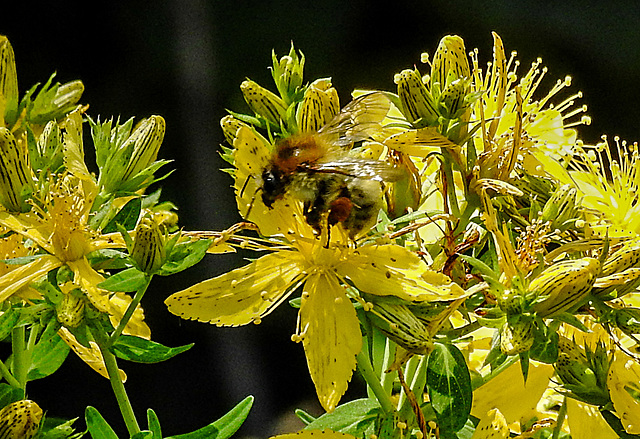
(492, 426)
(240, 296)
(30, 226)
(119, 302)
(624, 373)
(251, 157)
(88, 279)
(93, 356)
(331, 337)
(312, 434)
(586, 422)
(503, 391)
(392, 270)
(22, 276)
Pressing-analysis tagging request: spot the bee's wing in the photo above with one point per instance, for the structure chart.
(357, 120)
(358, 168)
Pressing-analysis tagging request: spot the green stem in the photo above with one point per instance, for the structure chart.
(450, 184)
(20, 354)
(561, 415)
(366, 370)
(118, 389)
(129, 312)
(409, 372)
(6, 374)
(477, 383)
(387, 379)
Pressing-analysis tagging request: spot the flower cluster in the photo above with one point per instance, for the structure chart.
(74, 243)
(452, 239)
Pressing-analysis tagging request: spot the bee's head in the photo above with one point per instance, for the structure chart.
(273, 186)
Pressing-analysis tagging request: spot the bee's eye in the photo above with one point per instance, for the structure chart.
(269, 182)
(272, 187)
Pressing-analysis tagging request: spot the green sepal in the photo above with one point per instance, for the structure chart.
(224, 427)
(97, 426)
(141, 350)
(127, 217)
(184, 255)
(449, 386)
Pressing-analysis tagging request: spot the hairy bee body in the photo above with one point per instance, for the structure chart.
(319, 169)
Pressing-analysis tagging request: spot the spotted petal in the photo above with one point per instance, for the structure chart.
(331, 337)
(392, 270)
(240, 296)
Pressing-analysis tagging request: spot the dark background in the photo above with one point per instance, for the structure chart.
(185, 60)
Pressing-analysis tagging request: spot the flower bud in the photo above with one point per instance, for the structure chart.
(148, 247)
(70, 310)
(50, 147)
(561, 207)
(287, 74)
(263, 102)
(517, 335)
(628, 256)
(564, 285)
(453, 101)
(627, 320)
(583, 374)
(399, 324)
(417, 103)
(20, 420)
(450, 62)
(16, 184)
(8, 83)
(319, 105)
(146, 139)
(68, 95)
(230, 126)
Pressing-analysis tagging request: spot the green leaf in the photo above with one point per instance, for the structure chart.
(127, 217)
(545, 346)
(449, 384)
(8, 321)
(97, 426)
(142, 350)
(184, 255)
(305, 417)
(154, 424)
(145, 434)
(126, 281)
(56, 428)
(48, 354)
(224, 427)
(9, 394)
(353, 417)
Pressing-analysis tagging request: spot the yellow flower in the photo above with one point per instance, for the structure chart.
(61, 229)
(509, 387)
(608, 178)
(540, 140)
(328, 326)
(624, 387)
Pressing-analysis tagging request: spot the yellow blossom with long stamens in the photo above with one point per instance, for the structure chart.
(328, 326)
(60, 228)
(608, 178)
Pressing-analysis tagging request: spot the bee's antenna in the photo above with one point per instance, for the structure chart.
(253, 199)
(244, 186)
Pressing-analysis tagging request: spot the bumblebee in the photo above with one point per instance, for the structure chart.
(321, 170)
